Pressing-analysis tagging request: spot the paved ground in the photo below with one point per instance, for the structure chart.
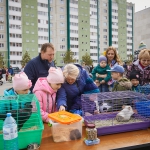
(4, 87)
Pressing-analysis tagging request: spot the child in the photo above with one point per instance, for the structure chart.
(142, 65)
(21, 85)
(45, 89)
(135, 80)
(100, 74)
(121, 84)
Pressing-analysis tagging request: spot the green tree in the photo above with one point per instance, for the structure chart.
(1, 60)
(68, 58)
(25, 58)
(87, 59)
(130, 59)
(55, 62)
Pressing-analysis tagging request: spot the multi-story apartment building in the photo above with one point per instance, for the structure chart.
(142, 31)
(80, 25)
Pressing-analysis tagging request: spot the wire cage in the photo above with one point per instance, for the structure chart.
(25, 109)
(145, 89)
(114, 112)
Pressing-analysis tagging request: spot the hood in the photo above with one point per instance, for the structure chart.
(42, 85)
(9, 92)
(125, 82)
(137, 63)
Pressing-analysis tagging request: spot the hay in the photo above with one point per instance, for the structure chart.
(114, 122)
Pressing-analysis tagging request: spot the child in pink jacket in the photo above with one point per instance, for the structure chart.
(45, 90)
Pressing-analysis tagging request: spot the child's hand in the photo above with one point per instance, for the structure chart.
(97, 82)
(61, 108)
(102, 82)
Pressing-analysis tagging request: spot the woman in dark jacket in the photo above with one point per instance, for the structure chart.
(69, 95)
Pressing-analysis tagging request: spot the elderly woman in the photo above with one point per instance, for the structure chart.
(76, 83)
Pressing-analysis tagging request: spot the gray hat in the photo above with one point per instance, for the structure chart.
(102, 58)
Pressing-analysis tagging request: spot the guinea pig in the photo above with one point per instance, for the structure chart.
(125, 114)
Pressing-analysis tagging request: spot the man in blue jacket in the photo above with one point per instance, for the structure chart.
(39, 66)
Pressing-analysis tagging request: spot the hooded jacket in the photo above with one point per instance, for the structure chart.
(122, 85)
(143, 73)
(46, 96)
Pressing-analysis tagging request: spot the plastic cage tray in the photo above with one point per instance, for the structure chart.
(108, 104)
(26, 111)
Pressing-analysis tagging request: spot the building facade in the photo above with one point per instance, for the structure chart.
(83, 26)
(142, 25)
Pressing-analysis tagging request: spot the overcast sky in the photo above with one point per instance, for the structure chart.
(140, 4)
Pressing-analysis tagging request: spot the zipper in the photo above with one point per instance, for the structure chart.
(47, 110)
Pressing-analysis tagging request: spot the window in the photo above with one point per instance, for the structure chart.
(61, 1)
(32, 24)
(62, 24)
(27, 49)
(27, 23)
(62, 32)
(105, 43)
(51, 25)
(62, 39)
(105, 4)
(1, 27)
(51, 17)
(27, 6)
(62, 46)
(105, 23)
(1, 9)
(1, 45)
(1, 36)
(27, 14)
(1, 18)
(27, 40)
(61, 9)
(104, 30)
(32, 15)
(61, 16)
(105, 11)
(51, 1)
(32, 6)
(32, 32)
(27, 32)
(105, 17)
(33, 41)
(1, 1)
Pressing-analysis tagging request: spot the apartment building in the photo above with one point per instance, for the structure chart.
(80, 25)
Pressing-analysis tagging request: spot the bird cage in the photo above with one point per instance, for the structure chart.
(106, 112)
(25, 109)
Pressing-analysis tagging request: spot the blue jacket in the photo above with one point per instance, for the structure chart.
(69, 95)
(36, 68)
(11, 71)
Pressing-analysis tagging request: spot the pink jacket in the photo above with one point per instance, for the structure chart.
(46, 96)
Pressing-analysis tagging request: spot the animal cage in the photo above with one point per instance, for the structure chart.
(106, 112)
(25, 110)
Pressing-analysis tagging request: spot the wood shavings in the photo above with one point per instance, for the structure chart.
(29, 129)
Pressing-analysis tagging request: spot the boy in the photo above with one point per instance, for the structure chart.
(135, 80)
(121, 84)
(100, 74)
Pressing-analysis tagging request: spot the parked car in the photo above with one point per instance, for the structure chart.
(16, 70)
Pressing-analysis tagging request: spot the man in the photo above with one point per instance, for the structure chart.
(39, 66)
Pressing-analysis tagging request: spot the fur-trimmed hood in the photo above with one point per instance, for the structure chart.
(125, 83)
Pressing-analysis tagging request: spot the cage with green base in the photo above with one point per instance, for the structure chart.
(25, 110)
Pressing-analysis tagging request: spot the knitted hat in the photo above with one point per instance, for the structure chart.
(55, 75)
(134, 75)
(90, 87)
(102, 58)
(21, 82)
(142, 46)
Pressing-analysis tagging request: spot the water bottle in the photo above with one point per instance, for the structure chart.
(10, 133)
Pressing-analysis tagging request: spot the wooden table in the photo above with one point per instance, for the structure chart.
(107, 142)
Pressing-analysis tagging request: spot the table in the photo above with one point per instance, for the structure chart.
(107, 142)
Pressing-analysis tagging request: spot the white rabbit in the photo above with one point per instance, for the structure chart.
(125, 114)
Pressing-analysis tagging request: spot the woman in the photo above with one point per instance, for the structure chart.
(112, 57)
(69, 95)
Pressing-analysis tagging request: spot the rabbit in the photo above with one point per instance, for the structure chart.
(125, 114)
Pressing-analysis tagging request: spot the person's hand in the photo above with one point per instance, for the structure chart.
(101, 75)
(102, 82)
(61, 108)
(97, 82)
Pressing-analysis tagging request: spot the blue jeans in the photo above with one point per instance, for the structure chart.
(104, 88)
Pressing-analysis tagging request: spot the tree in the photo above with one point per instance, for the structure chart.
(25, 58)
(130, 59)
(68, 58)
(87, 59)
(1, 60)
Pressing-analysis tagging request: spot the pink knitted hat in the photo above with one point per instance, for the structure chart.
(21, 82)
(55, 75)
